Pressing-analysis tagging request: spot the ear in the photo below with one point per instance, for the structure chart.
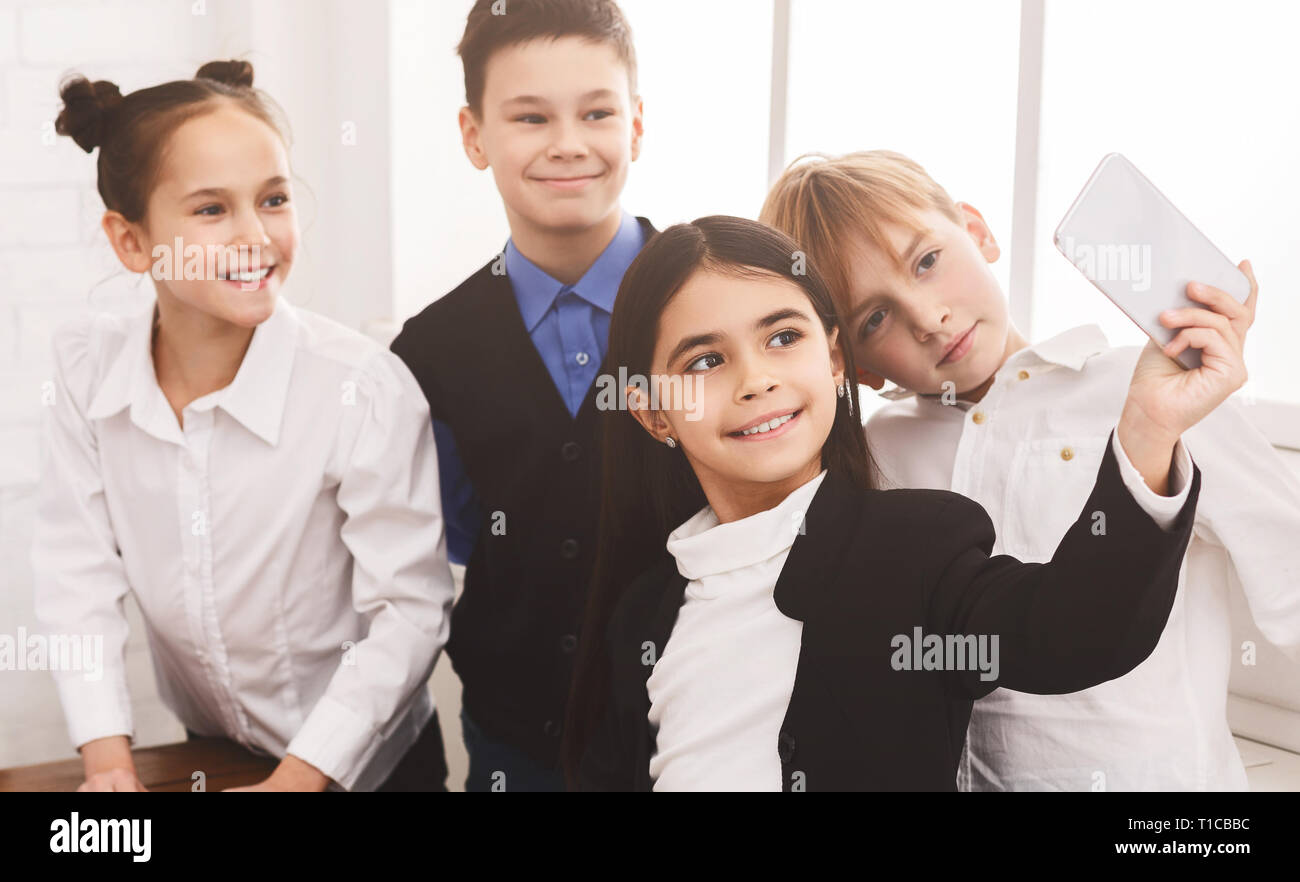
(470, 138)
(979, 232)
(638, 127)
(867, 378)
(128, 242)
(837, 357)
(651, 420)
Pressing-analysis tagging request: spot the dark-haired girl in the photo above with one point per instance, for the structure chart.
(764, 618)
(261, 479)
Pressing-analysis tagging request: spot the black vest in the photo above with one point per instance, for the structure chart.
(534, 468)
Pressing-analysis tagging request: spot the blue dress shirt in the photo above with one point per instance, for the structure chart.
(569, 327)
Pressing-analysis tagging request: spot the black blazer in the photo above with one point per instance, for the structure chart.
(873, 565)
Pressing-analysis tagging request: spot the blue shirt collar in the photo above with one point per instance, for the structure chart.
(535, 290)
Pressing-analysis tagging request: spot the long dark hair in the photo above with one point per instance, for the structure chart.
(648, 488)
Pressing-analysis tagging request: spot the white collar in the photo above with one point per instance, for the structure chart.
(704, 547)
(256, 397)
(1070, 349)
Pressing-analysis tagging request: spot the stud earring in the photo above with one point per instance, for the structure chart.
(670, 442)
(840, 391)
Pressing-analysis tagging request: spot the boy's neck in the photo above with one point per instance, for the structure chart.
(564, 255)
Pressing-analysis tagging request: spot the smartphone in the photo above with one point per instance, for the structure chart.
(1141, 251)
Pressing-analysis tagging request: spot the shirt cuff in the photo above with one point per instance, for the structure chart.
(1162, 509)
(335, 740)
(95, 708)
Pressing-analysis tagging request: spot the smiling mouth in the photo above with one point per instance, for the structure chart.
(250, 277)
(568, 183)
(766, 427)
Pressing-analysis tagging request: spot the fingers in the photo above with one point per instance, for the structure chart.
(1190, 316)
(1214, 346)
(1249, 272)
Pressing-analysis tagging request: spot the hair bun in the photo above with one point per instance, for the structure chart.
(87, 110)
(232, 73)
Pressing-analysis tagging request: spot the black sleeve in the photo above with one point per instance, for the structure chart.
(1092, 613)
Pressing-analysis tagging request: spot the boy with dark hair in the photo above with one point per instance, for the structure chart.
(508, 361)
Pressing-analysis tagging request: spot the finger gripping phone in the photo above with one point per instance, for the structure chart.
(1140, 251)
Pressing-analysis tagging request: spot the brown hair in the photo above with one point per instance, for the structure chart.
(131, 131)
(824, 202)
(486, 31)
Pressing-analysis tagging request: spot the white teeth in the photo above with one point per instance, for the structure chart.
(256, 276)
(769, 425)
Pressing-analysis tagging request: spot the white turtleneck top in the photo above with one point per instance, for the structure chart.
(720, 689)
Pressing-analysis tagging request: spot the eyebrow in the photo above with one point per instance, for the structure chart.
(907, 258)
(708, 339)
(538, 100)
(221, 191)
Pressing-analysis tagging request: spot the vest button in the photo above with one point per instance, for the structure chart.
(551, 729)
(571, 450)
(785, 746)
(978, 417)
(568, 643)
(569, 549)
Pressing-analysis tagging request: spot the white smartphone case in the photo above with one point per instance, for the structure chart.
(1140, 251)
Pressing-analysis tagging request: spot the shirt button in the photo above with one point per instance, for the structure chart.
(569, 549)
(568, 643)
(978, 417)
(582, 358)
(1067, 454)
(551, 728)
(785, 747)
(571, 450)
(1024, 375)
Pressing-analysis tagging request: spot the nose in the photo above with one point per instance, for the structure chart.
(248, 233)
(756, 380)
(565, 143)
(928, 320)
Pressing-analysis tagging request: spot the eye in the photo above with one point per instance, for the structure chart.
(598, 114)
(532, 118)
(928, 261)
(283, 198)
(690, 368)
(789, 334)
(209, 210)
(873, 321)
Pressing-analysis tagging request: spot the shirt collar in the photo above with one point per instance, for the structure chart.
(256, 397)
(1070, 349)
(535, 290)
(703, 547)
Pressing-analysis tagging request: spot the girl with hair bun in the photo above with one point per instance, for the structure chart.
(261, 479)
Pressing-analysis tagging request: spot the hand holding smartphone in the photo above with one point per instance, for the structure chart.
(1142, 252)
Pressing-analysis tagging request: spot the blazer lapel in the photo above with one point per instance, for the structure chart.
(808, 576)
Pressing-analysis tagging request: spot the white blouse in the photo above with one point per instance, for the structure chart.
(720, 690)
(285, 547)
(1028, 453)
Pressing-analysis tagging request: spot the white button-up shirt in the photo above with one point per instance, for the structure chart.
(1028, 452)
(285, 547)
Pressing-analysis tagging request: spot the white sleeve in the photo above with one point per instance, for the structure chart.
(1162, 509)
(1250, 505)
(401, 580)
(79, 579)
